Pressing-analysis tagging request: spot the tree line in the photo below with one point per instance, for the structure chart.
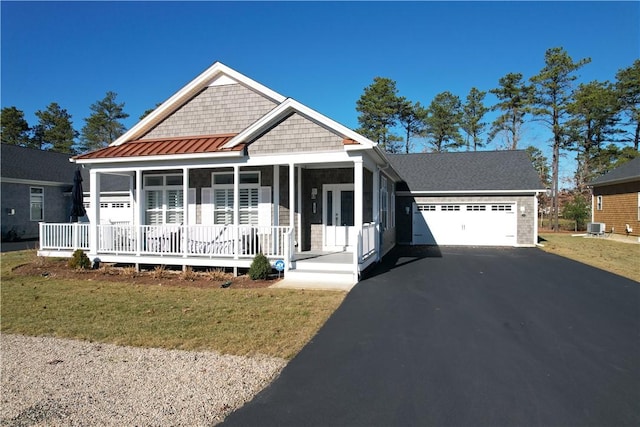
(54, 130)
(599, 121)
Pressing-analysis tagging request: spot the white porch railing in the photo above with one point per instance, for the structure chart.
(170, 240)
(368, 245)
(64, 236)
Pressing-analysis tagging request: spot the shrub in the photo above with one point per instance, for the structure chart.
(159, 272)
(188, 274)
(260, 267)
(79, 260)
(218, 274)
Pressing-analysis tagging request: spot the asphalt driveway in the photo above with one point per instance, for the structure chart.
(468, 337)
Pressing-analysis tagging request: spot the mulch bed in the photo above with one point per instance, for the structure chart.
(199, 278)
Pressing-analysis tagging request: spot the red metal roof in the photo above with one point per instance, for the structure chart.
(165, 147)
(349, 141)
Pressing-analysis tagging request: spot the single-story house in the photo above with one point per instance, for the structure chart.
(36, 187)
(227, 168)
(615, 199)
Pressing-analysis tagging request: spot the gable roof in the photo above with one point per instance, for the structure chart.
(217, 72)
(629, 171)
(460, 172)
(36, 165)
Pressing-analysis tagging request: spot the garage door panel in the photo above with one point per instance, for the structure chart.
(466, 224)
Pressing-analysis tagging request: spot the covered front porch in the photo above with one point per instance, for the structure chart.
(222, 214)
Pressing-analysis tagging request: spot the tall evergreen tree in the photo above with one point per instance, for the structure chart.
(54, 130)
(514, 97)
(593, 122)
(553, 91)
(628, 85)
(442, 125)
(378, 107)
(411, 117)
(15, 129)
(473, 111)
(104, 125)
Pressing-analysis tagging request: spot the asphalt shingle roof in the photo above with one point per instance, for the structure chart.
(38, 165)
(467, 171)
(629, 171)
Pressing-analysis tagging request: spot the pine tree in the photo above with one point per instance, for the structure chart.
(442, 125)
(54, 130)
(378, 107)
(103, 126)
(473, 112)
(628, 85)
(514, 97)
(15, 129)
(411, 117)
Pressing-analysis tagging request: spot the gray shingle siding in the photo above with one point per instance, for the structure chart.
(214, 111)
(296, 134)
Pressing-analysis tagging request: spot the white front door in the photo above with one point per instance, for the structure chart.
(338, 214)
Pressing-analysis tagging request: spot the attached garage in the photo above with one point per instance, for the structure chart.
(486, 198)
(465, 224)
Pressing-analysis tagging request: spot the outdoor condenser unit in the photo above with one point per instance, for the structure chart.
(595, 227)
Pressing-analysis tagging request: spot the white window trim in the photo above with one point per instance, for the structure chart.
(164, 188)
(241, 186)
(38, 195)
(384, 202)
(598, 203)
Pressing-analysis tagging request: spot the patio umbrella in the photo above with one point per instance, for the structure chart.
(77, 198)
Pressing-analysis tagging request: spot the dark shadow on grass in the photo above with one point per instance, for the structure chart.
(399, 256)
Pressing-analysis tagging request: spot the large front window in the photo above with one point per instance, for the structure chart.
(164, 199)
(36, 203)
(249, 188)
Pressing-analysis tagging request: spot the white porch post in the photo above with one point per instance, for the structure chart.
(299, 209)
(376, 210)
(276, 195)
(357, 211)
(535, 220)
(292, 195)
(236, 210)
(139, 212)
(185, 210)
(94, 200)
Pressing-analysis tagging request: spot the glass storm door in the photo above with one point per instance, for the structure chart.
(338, 216)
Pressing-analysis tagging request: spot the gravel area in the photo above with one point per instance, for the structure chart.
(59, 382)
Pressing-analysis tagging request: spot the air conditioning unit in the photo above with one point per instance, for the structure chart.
(595, 227)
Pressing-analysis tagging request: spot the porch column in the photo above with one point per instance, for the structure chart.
(357, 210)
(376, 209)
(292, 194)
(535, 220)
(236, 210)
(94, 201)
(299, 209)
(185, 210)
(139, 212)
(276, 195)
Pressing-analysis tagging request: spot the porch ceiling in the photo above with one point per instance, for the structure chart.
(165, 146)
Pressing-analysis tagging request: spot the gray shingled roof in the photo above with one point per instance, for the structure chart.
(629, 171)
(467, 171)
(38, 165)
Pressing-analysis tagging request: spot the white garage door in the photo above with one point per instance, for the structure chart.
(465, 224)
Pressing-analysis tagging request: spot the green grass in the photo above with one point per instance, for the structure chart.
(617, 257)
(275, 322)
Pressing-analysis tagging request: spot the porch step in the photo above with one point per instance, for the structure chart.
(318, 279)
(314, 265)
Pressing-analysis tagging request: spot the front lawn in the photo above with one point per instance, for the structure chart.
(274, 322)
(607, 254)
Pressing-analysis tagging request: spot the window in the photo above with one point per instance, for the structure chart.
(450, 208)
(36, 203)
(249, 187)
(599, 203)
(500, 207)
(393, 209)
(164, 198)
(384, 203)
(639, 206)
(476, 208)
(426, 207)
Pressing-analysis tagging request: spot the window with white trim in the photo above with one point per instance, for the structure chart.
(36, 202)
(384, 202)
(638, 206)
(501, 208)
(393, 209)
(450, 208)
(248, 191)
(164, 199)
(599, 203)
(476, 208)
(426, 207)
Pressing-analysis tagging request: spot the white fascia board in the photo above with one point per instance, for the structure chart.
(34, 182)
(300, 158)
(189, 91)
(468, 192)
(172, 157)
(287, 107)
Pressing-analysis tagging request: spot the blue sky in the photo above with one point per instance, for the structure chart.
(322, 54)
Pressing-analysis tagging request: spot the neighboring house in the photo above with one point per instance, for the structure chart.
(483, 198)
(36, 187)
(227, 168)
(616, 199)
